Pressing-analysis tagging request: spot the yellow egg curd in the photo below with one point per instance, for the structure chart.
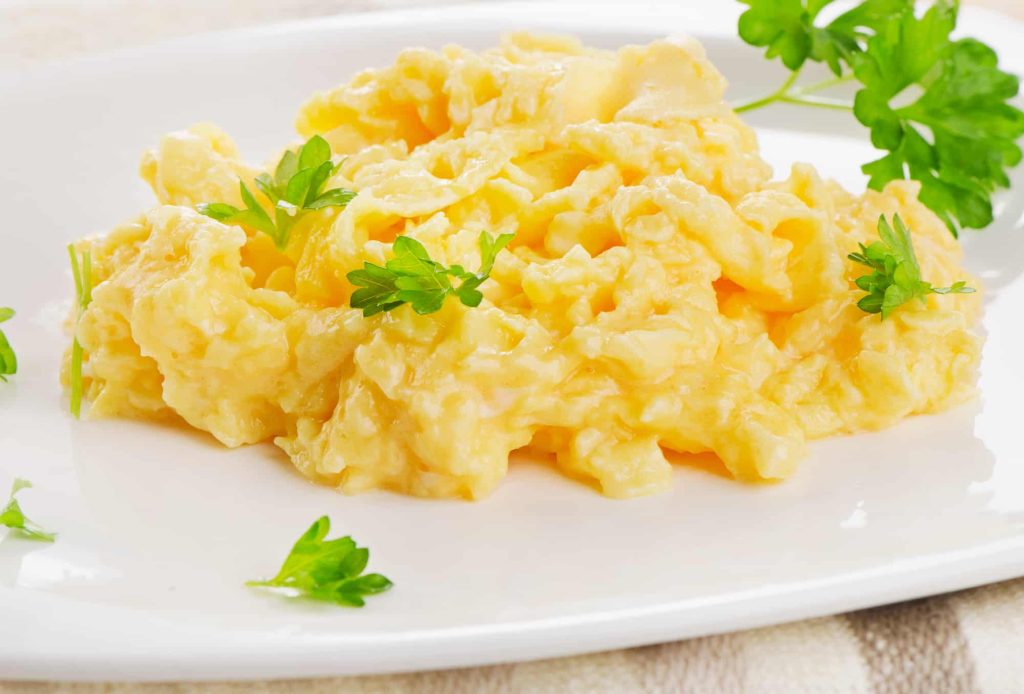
(662, 296)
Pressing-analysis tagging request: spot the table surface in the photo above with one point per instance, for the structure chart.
(963, 642)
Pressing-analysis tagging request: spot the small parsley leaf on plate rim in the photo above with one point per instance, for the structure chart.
(8, 359)
(326, 570)
(14, 518)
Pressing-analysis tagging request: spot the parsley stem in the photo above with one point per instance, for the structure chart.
(82, 274)
(801, 95)
(778, 94)
(76, 379)
(818, 102)
(823, 85)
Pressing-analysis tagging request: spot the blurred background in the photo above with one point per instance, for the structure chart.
(33, 31)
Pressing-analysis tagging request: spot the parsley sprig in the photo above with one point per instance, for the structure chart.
(81, 271)
(327, 570)
(8, 360)
(411, 277)
(295, 189)
(958, 137)
(895, 276)
(13, 517)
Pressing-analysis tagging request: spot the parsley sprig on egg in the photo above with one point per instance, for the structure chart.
(295, 189)
(895, 276)
(957, 135)
(411, 277)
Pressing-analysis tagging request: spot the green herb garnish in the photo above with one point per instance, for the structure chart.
(411, 277)
(294, 189)
(13, 517)
(328, 570)
(957, 135)
(896, 276)
(788, 29)
(8, 360)
(81, 271)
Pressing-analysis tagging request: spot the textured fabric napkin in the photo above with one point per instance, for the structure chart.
(970, 641)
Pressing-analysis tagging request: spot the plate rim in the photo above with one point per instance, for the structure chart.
(528, 640)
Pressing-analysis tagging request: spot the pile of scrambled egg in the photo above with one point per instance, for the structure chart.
(662, 296)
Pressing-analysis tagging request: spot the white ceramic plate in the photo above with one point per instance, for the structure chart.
(160, 528)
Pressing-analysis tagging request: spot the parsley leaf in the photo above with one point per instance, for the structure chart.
(81, 271)
(252, 216)
(13, 517)
(328, 570)
(411, 277)
(8, 360)
(964, 106)
(786, 29)
(895, 278)
(295, 188)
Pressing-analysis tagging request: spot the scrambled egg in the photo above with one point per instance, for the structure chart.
(662, 296)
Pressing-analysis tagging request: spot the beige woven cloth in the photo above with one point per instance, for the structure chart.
(972, 641)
